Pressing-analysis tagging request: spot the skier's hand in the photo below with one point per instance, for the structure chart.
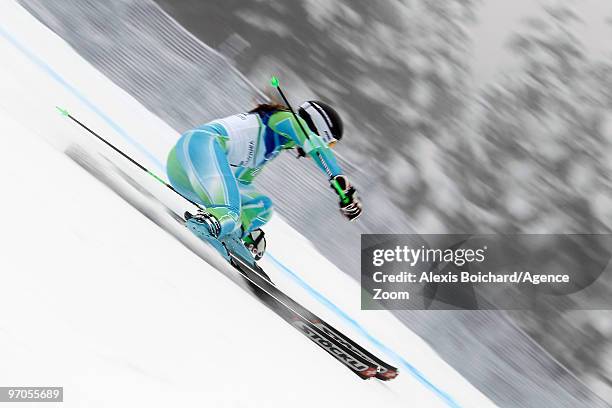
(351, 210)
(350, 206)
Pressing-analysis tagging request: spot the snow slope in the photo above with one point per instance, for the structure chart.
(101, 300)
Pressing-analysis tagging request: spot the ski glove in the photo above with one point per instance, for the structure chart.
(350, 206)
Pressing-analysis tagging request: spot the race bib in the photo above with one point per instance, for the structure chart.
(244, 132)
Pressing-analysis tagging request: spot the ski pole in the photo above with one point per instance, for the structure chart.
(275, 83)
(64, 112)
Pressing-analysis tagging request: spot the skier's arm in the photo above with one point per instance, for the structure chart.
(286, 124)
(246, 175)
(323, 156)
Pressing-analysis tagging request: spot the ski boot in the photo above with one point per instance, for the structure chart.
(246, 251)
(206, 227)
(255, 242)
(232, 247)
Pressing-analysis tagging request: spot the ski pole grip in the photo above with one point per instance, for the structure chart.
(340, 191)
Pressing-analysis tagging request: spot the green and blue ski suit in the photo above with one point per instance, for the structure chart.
(215, 164)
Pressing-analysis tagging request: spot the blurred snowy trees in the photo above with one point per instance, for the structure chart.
(546, 154)
(545, 149)
(531, 152)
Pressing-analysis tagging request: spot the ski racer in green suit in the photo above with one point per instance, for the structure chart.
(215, 164)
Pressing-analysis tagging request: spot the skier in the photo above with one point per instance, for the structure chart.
(215, 164)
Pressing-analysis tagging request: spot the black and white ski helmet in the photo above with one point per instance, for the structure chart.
(322, 119)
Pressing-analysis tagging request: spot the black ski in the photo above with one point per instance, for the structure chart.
(362, 368)
(385, 371)
(314, 327)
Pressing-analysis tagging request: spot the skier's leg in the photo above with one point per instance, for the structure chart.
(198, 168)
(256, 209)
